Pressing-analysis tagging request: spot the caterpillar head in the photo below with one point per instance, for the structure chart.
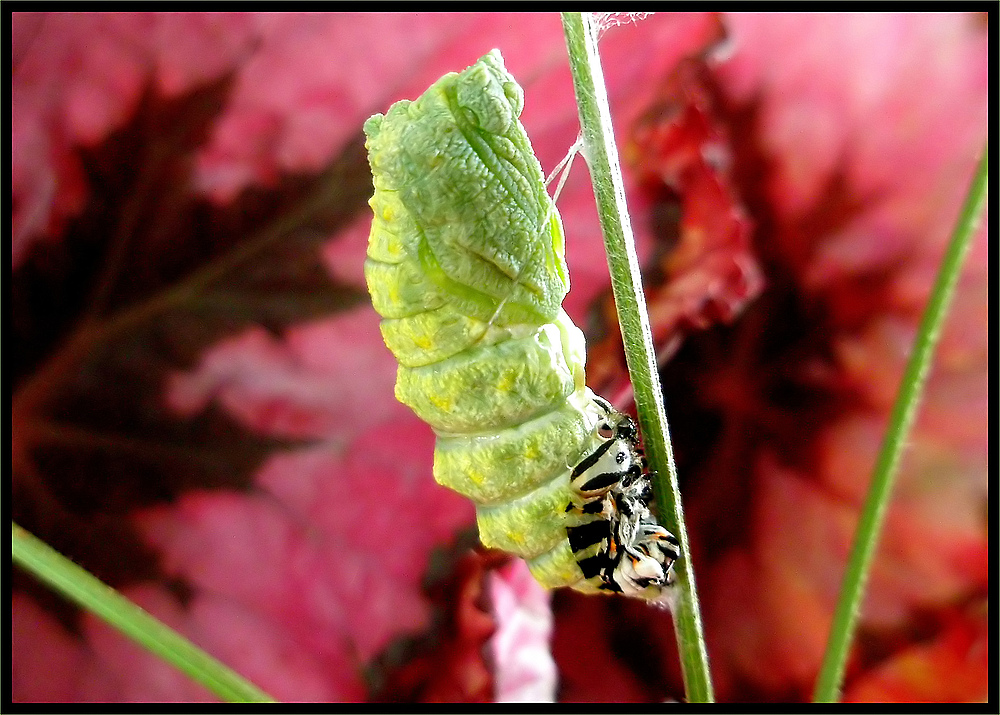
(616, 458)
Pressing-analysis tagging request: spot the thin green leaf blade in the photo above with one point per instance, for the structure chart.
(831, 675)
(79, 586)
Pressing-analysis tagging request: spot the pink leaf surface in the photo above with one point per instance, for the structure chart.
(249, 441)
(293, 386)
(71, 91)
(319, 570)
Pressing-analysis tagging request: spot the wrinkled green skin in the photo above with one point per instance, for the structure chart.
(466, 267)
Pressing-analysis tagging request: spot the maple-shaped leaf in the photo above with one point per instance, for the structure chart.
(142, 280)
(189, 230)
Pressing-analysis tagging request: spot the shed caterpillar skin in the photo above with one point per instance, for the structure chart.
(466, 267)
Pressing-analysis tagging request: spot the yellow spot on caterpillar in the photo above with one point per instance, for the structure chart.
(442, 402)
(516, 537)
(394, 247)
(423, 342)
(507, 382)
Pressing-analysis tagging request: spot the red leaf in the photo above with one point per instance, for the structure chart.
(450, 663)
(950, 668)
(709, 270)
(176, 182)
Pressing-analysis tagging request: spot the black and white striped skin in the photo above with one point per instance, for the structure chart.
(624, 549)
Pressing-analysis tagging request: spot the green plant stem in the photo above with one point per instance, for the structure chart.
(79, 586)
(866, 538)
(605, 170)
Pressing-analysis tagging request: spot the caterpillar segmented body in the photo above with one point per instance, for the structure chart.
(466, 267)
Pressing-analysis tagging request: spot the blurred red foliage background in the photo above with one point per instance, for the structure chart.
(203, 412)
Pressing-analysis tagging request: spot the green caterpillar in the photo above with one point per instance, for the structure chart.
(466, 267)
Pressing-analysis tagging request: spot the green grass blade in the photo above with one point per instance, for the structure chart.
(911, 389)
(602, 157)
(79, 586)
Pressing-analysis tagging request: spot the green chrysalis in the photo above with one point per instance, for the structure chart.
(466, 267)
